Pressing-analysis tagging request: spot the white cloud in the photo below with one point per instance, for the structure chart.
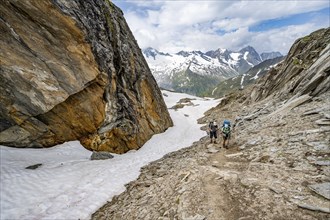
(204, 25)
(281, 39)
(233, 23)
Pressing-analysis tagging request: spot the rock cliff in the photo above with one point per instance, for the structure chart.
(305, 71)
(73, 70)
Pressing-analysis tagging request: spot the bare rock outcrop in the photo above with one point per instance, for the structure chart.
(73, 70)
(306, 70)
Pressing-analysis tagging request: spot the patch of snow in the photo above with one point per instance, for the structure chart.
(245, 55)
(256, 76)
(69, 185)
(245, 58)
(235, 56)
(214, 90)
(242, 80)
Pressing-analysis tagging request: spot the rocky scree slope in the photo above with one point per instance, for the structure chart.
(277, 165)
(73, 70)
(273, 169)
(305, 71)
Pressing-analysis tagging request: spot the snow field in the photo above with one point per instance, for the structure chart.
(69, 185)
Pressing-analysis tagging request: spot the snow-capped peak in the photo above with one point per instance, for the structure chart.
(178, 69)
(151, 52)
(251, 56)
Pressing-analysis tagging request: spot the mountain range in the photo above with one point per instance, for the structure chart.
(195, 72)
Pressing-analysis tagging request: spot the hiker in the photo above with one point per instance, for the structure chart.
(226, 130)
(213, 129)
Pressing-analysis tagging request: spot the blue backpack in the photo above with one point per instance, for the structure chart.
(226, 122)
(226, 127)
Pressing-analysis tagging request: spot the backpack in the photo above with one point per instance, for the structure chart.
(226, 122)
(212, 126)
(226, 127)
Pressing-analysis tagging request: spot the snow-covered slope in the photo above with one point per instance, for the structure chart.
(195, 72)
(167, 67)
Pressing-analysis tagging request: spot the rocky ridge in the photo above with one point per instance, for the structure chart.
(277, 165)
(73, 70)
(304, 71)
(248, 78)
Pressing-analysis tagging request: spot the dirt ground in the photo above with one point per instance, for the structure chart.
(277, 167)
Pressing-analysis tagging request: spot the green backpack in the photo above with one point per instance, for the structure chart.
(226, 129)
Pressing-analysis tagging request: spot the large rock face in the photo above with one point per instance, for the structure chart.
(73, 70)
(305, 71)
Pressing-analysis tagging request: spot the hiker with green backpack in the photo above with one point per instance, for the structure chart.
(226, 130)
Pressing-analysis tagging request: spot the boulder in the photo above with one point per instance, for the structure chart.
(33, 167)
(72, 70)
(291, 104)
(322, 189)
(323, 121)
(102, 155)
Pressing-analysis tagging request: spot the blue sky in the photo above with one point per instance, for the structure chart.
(175, 25)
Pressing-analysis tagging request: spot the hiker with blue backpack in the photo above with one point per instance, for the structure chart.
(226, 130)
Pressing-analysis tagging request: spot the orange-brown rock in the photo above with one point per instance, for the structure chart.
(73, 70)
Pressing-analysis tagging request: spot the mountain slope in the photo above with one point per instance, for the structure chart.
(196, 72)
(270, 55)
(306, 70)
(245, 79)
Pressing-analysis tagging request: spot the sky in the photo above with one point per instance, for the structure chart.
(68, 185)
(175, 25)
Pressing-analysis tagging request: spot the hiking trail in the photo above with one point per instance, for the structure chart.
(276, 167)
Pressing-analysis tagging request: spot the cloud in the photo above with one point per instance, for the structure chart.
(281, 39)
(207, 25)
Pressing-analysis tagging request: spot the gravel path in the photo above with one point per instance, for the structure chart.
(271, 170)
